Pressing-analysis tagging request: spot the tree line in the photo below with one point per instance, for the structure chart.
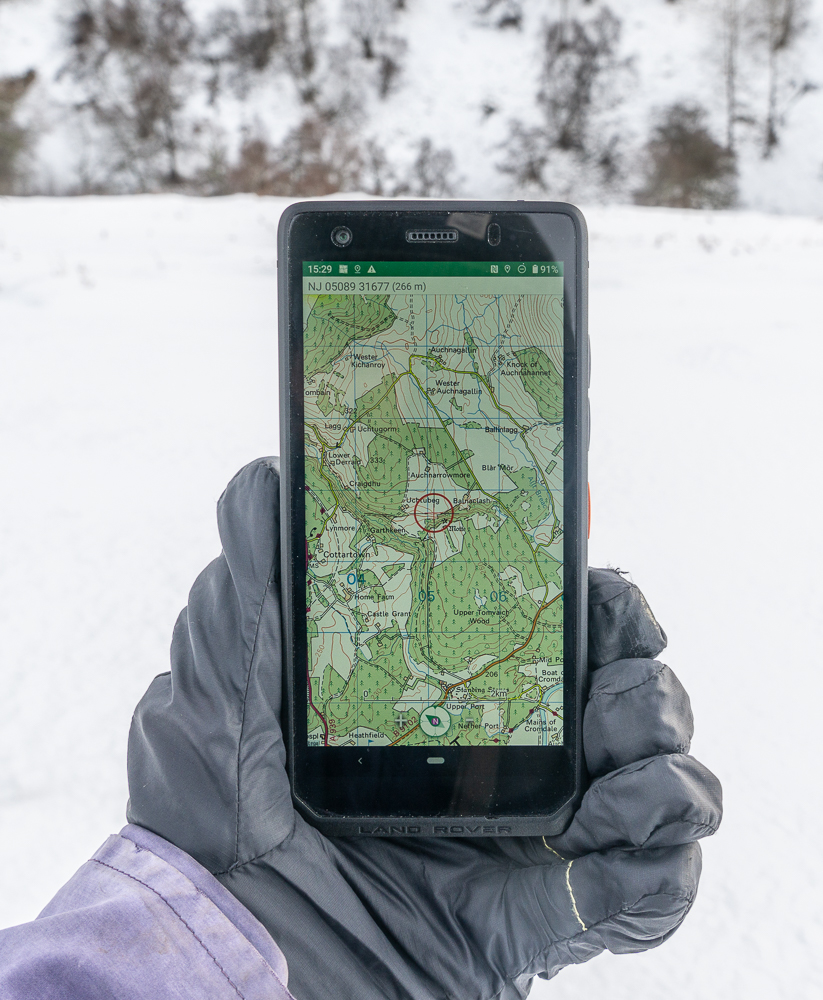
(153, 92)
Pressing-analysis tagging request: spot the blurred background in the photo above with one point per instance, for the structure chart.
(688, 103)
(147, 149)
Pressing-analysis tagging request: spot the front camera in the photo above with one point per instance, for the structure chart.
(493, 235)
(342, 236)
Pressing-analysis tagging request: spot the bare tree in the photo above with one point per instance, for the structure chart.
(431, 175)
(239, 45)
(316, 158)
(14, 138)
(130, 61)
(781, 23)
(577, 54)
(303, 54)
(760, 64)
(730, 16)
(582, 78)
(322, 156)
(370, 23)
(142, 67)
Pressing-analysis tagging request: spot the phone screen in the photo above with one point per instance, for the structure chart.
(434, 503)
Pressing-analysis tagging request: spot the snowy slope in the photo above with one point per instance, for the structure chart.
(455, 64)
(138, 372)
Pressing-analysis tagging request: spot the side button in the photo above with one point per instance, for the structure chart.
(589, 489)
(589, 350)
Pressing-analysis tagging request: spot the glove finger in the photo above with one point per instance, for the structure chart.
(206, 756)
(630, 901)
(636, 709)
(562, 912)
(621, 623)
(660, 802)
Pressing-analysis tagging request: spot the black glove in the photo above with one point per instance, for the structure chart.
(378, 919)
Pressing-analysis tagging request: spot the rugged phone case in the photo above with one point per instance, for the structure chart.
(293, 533)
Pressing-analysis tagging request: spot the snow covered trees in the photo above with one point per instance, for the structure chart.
(169, 101)
(763, 73)
(583, 77)
(131, 63)
(548, 98)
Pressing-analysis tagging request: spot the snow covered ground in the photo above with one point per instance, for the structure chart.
(138, 371)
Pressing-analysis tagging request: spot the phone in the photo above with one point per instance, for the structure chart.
(434, 397)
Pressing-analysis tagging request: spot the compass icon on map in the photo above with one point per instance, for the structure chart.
(435, 721)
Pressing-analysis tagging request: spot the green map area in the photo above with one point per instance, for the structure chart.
(434, 521)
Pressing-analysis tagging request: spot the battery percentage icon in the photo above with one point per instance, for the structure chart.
(534, 269)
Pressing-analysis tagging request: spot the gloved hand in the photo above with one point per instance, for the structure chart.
(379, 919)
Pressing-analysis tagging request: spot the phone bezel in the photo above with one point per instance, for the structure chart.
(477, 791)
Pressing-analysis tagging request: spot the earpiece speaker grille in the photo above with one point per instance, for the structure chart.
(431, 236)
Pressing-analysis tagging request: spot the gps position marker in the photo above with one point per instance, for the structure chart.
(432, 514)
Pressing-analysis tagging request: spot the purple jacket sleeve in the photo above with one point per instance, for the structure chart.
(142, 919)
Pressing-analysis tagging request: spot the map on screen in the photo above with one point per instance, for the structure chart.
(434, 504)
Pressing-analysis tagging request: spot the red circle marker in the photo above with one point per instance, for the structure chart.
(434, 531)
